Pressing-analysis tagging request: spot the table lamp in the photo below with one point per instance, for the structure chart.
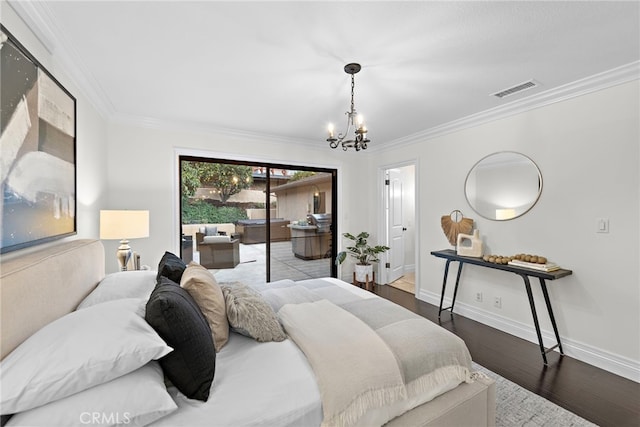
(123, 225)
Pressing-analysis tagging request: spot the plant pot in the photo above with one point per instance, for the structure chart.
(362, 271)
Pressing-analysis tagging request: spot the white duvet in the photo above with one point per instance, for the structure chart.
(270, 384)
(255, 384)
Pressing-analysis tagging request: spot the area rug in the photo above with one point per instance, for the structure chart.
(517, 406)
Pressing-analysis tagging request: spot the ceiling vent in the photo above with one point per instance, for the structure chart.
(517, 88)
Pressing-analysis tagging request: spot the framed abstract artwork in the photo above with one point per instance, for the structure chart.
(37, 151)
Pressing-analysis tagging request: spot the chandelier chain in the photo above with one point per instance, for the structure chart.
(353, 85)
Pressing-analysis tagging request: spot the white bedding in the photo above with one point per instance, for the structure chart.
(257, 384)
(271, 384)
(250, 388)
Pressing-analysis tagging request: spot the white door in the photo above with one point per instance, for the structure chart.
(394, 224)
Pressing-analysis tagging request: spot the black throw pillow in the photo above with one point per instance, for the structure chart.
(176, 317)
(171, 266)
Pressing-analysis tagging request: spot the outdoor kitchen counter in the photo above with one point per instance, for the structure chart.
(307, 243)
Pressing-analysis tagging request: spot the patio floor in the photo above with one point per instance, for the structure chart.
(284, 265)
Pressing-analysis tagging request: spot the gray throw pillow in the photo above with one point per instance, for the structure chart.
(250, 314)
(211, 230)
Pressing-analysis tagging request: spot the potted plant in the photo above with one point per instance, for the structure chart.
(364, 253)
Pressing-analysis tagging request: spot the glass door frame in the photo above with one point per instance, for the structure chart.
(269, 166)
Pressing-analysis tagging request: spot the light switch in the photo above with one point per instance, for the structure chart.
(602, 225)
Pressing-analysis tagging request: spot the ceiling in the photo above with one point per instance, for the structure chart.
(276, 68)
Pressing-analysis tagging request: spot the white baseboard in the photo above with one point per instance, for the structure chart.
(603, 359)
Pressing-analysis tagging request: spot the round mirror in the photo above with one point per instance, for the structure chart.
(503, 185)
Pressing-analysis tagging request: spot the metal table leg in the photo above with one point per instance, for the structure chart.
(543, 285)
(527, 285)
(444, 286)
(455, 290)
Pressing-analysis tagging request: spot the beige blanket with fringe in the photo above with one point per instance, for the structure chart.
(355, 369)
(373, 359)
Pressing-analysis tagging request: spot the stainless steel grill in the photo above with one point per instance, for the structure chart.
(321, 221)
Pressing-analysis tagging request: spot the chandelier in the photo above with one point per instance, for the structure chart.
(353, 119)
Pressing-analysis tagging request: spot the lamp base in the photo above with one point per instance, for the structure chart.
(123, 254)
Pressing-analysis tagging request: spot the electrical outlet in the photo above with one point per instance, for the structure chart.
(479, 296)
(497, 302)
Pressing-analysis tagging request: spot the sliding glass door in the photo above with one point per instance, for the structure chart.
(258, 222)
(302, 232)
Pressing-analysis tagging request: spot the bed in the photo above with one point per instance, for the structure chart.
(274, 383)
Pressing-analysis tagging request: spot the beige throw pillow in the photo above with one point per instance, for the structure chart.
(204, 289)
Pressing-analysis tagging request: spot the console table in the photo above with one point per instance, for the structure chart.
(525, 273)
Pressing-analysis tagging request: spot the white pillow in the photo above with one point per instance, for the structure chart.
(123, 284)
(78, 351)
(137, 398)
(216, 239)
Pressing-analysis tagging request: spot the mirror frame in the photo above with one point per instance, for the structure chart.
(530, 205)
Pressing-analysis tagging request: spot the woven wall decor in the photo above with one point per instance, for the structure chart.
(454, 224)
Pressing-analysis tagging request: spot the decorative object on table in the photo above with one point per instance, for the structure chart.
(497, 259)
(353, 119)
(474, 248)
(536, 262)
(123, 225)
(38, 151)
(364, 253)
(535, 259)
(454, 224)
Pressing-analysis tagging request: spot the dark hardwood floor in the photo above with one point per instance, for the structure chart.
(596, 395)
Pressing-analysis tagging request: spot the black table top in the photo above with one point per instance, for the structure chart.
(548, 275)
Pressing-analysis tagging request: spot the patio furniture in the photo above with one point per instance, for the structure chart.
(218, 251)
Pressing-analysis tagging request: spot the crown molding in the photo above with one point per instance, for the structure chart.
(40, 20)
(596, 82)
(41, 30)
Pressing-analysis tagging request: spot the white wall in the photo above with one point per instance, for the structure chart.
(144, 175)
(91, 136)
(587, 151)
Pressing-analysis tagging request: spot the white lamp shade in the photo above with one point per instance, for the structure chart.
(121, 225)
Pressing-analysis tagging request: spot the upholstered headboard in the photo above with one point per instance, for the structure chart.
(41, 286)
